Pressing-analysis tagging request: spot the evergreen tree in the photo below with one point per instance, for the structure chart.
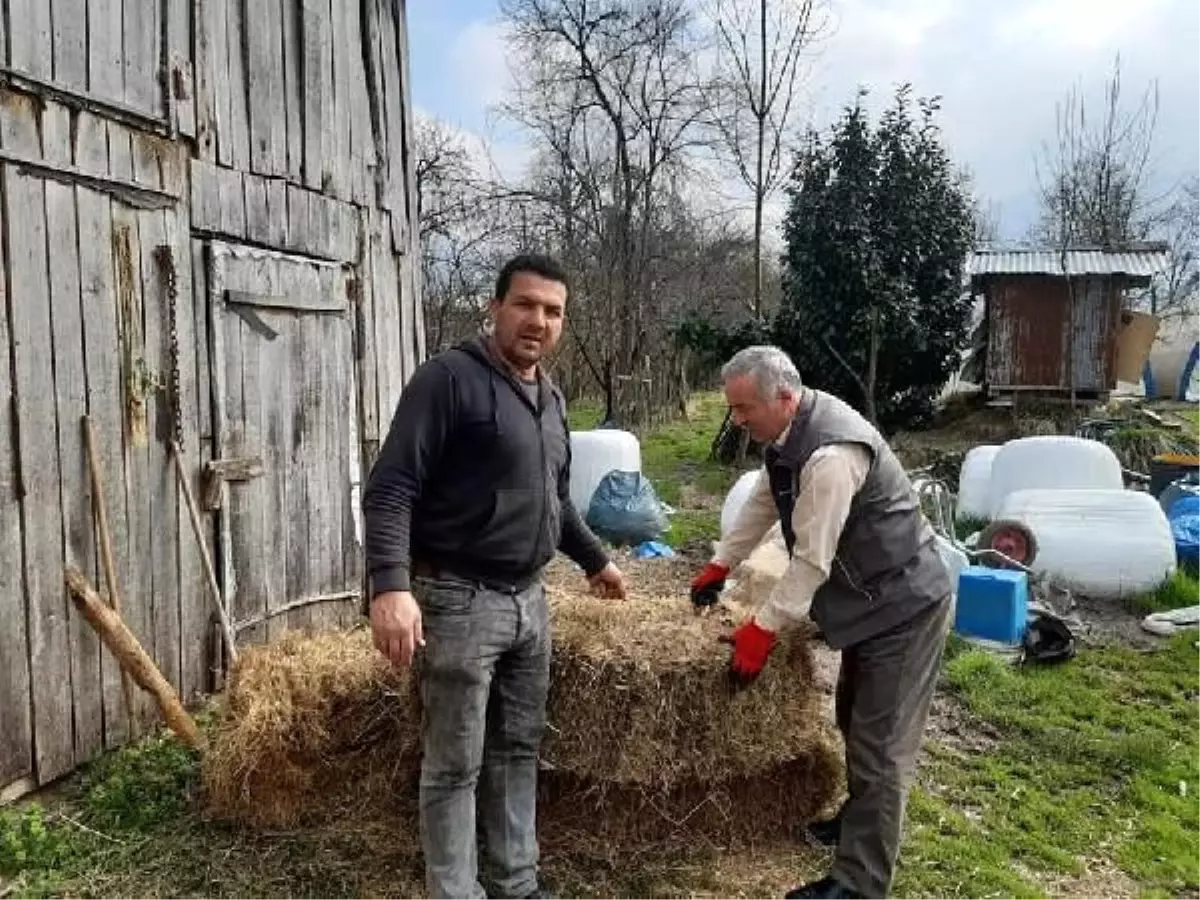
(878, 229)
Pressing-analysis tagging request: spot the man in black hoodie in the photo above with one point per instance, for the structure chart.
(467, 503)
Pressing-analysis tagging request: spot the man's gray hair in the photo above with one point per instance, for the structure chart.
(771, 368)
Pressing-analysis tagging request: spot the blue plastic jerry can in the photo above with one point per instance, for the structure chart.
(992, 604)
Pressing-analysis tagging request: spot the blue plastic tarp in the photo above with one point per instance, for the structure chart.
(1185, 529)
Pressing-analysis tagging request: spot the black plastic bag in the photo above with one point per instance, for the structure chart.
(626, 510)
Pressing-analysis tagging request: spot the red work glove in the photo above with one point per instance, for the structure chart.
(752, 644)
(707, 586)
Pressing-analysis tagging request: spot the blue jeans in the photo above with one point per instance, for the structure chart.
(484, 676)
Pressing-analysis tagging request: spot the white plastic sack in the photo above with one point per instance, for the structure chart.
(596, 453)
(736, 499)
(975, 482)
(1103, 544)
(1055, 462)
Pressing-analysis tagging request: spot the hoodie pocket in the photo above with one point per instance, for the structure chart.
(511, 529)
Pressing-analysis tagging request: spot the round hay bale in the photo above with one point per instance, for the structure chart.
(640, 703)
(304, 719)
(740, 810)
(640, 694)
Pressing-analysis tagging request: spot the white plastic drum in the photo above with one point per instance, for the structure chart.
(596, 453)
(975, 483)
(1107, 544)
(736, 498)
(1052, 462)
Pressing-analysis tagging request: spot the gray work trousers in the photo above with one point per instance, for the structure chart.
(484, 675)
(884, 691)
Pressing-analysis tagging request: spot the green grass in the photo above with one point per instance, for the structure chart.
(1098, 761)
(1181, 589)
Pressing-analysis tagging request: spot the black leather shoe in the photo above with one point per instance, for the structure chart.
(826, 887)
(829, 832)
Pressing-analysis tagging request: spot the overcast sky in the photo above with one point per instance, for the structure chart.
(999, 67)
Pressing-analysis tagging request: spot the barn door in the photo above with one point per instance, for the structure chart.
(285, 453)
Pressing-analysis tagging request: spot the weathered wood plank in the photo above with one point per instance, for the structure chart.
(233, 202)
(258, 226)
(90, 152)
(300, 559)
(321, 465)
(373, 63)
(229, 427)
(338, 406)
(137, 580)
(220, 85)
(248, 499)
(106, 72)
(268, 109)
(387, 322)
(31, 45)
(105, 409)
(206, 196)
(160, 479)
(277, 212)
(239, 111)
(366, 352)
(316, 91)
(298, 218)
(71, 399)
(342, 161)
(182, 84)
(201, 292)
(41, 505)
(403, 238)
(142, 58)
(16, 713)
(291, 13)
(393, 106)
(69, 19)
(362, 143)
(208, 38)
(193, 612)
(351, 526)
(277, 383)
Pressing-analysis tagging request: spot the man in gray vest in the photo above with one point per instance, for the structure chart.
(865, 567)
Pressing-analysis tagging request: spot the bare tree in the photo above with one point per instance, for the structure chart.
(611, 90)
(1094, 182)
(464, 228)
(1179, 291)
(761, 45)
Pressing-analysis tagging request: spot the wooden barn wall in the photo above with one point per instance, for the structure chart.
(87, 205)
(137, 138)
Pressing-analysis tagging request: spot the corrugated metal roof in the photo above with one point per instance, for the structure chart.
(1137, 263)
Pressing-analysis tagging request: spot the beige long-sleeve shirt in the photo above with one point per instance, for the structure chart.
(828, 482)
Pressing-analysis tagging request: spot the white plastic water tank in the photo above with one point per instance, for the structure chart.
(1107, 544)
(596, 453)
(975, 482)
(736, 498)
(1052, 462)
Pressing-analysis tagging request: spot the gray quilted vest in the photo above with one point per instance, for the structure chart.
(887, 569)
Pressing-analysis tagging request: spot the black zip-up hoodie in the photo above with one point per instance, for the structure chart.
(474, 478)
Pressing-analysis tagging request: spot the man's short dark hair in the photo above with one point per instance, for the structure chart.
(538, 264)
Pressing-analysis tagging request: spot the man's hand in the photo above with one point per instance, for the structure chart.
(752, 644)
(707, 586)
(396, 626)
(608, 582)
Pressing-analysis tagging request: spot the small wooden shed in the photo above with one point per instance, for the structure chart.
(1052, 319)
(207, 234)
